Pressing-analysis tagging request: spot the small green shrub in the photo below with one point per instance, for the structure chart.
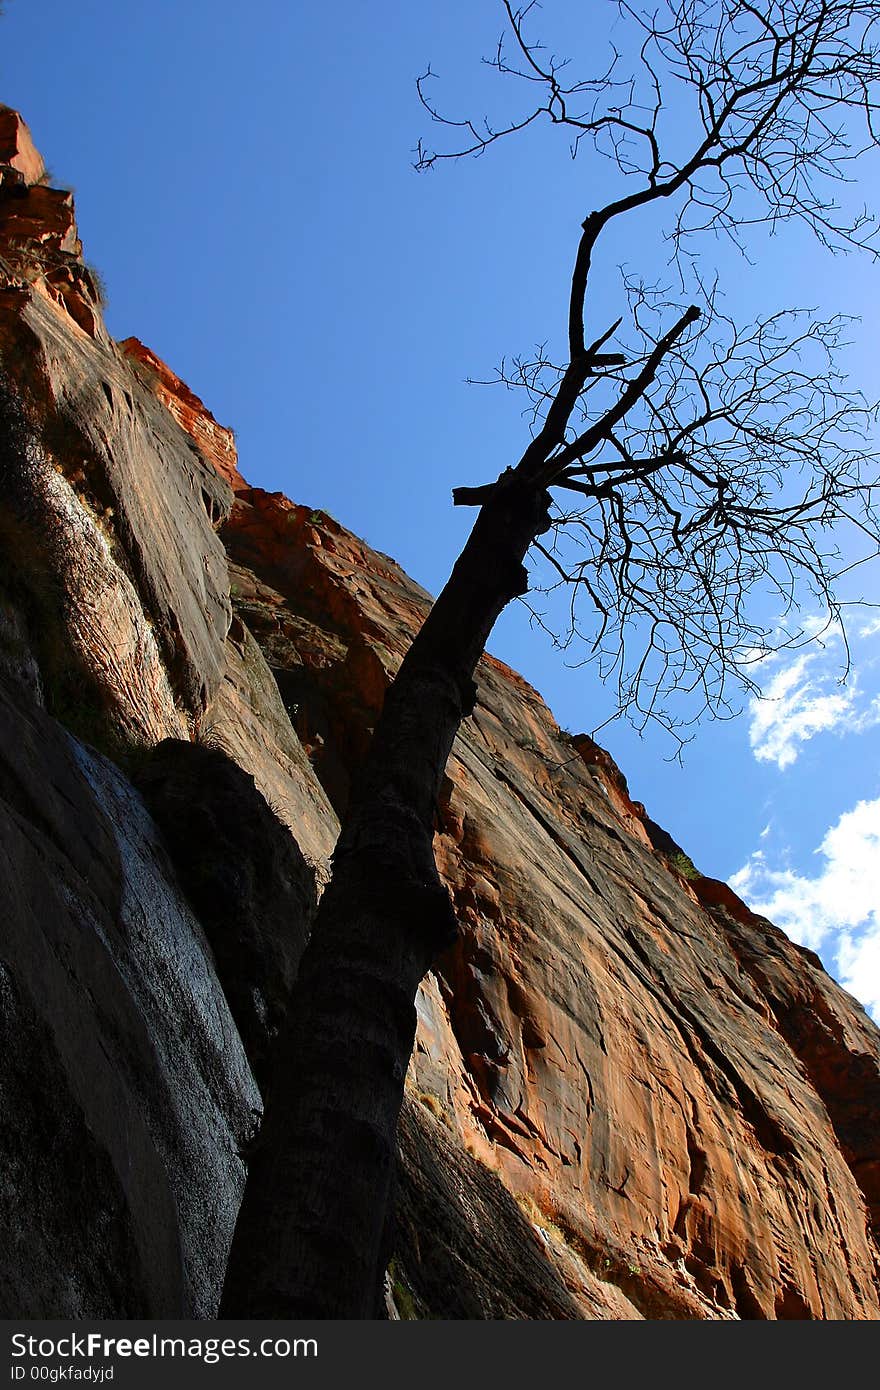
(684, 865)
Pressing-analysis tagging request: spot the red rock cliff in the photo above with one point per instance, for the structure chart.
(630, 1097)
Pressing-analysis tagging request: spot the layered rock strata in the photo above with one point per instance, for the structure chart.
(630, 1097)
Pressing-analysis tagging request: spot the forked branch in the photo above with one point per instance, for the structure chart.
(721, 476)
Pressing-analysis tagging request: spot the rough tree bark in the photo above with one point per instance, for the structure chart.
(309, 1240)
(681, 452)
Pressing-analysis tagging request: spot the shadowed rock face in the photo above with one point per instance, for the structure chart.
(631, 1052)
(126, 1092)
(121, 506)
(245, 877)
(132, 507)
(128, 1096)
(630, 1097)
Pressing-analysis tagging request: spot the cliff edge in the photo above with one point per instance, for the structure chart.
(630, 1097)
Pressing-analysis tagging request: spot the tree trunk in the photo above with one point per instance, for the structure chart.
(310, 1235)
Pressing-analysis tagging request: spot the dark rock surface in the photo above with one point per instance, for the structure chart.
(464, 1249)
(127, 508)
(126, 1092)
(248, 720)
(599, 1037)
(630, 1097)
(245, 878)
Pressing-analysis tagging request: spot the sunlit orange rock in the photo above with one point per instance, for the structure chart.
(39, 242)
(17, 149)
(630, 1096)
(605, 1036)
(215, 443)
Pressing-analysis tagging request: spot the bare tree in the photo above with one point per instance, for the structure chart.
(679, 468)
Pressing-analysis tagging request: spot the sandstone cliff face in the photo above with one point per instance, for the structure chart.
(126, 1091)
(617, 1043)
(629, 1098)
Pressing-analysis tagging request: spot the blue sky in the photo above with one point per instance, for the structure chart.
(244, 184)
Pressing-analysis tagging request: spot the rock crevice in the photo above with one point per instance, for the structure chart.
(629, 1097)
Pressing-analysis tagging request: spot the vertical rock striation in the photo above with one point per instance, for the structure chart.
(135, 952)
(630, 1097)
(653, 1074)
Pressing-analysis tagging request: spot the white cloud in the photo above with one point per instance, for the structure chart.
(795, 706)
(803, 699)
(858, 967)
(870, 629)
(819, 625)
(838, 911)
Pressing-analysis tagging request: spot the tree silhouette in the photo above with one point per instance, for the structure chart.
(689, 484)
